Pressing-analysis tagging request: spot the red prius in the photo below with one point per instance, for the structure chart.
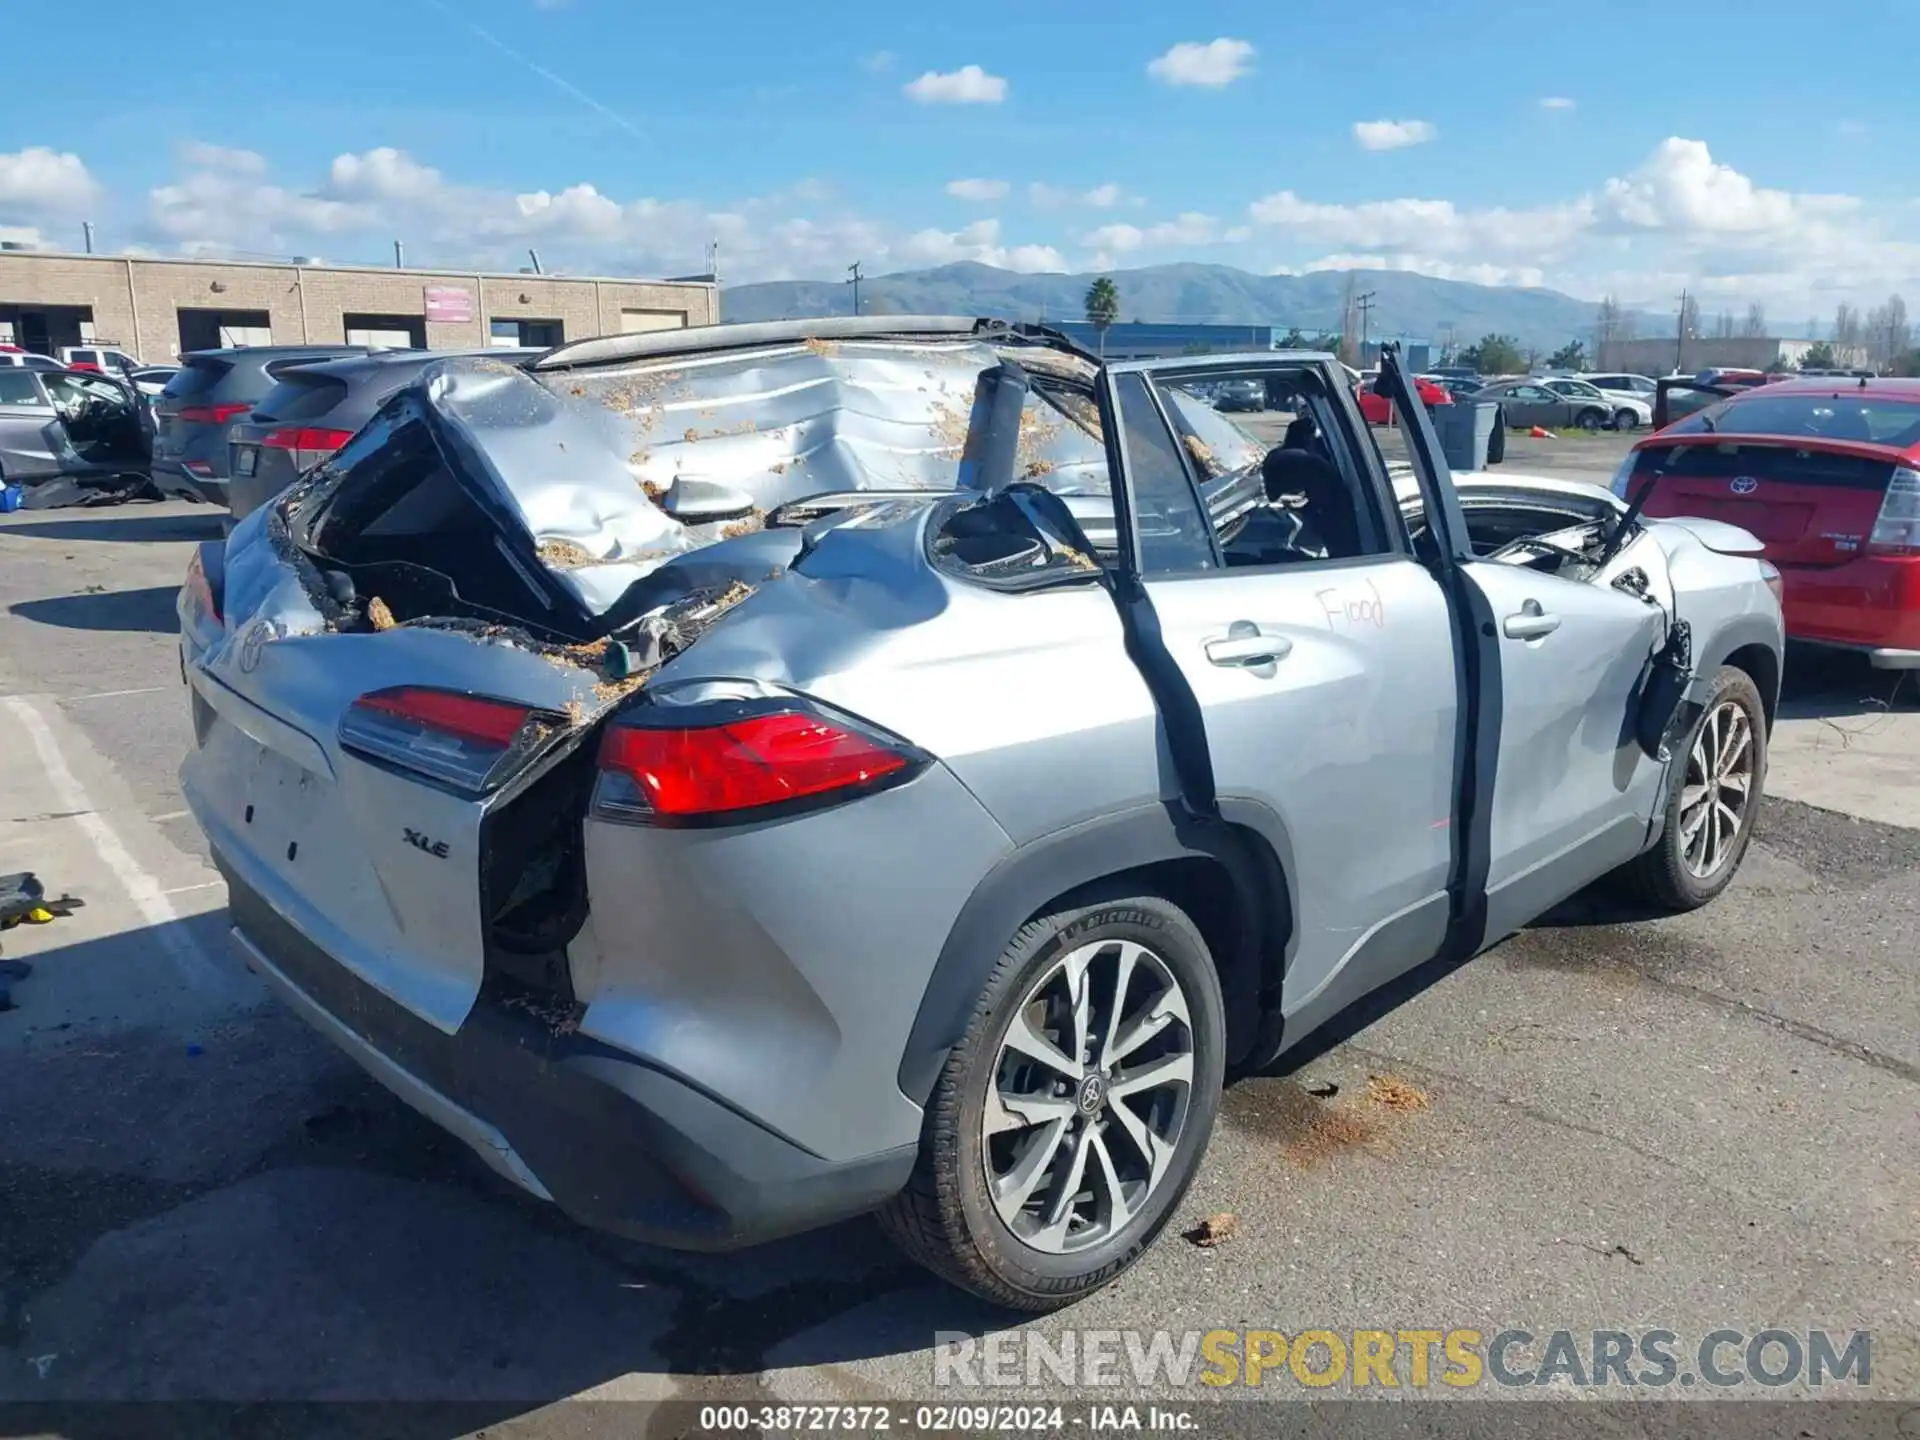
(1826, 474)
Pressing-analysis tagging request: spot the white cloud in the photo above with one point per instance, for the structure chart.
(978, 190)
(1213, 64)
(1678, 217)
(38, 180)
(1432, 225)
(1393, 134)
(1525, 275)
(969, 85)
(382, 174)
(1187, 229)
(202, 156)
(1681, 187)
(365, 199)
(979, 242)
(1043, 196)
(1555, 102)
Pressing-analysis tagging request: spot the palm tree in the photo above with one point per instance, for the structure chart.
(1103, 308)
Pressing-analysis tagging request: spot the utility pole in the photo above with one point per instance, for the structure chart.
(1364, 304)
(853, 279)
(86, 228)
(1680, 335)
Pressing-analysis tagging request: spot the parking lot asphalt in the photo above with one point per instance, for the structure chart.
(1693, 1124)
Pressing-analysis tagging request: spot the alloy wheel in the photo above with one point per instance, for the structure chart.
(1717, 789)
(1089, 1096)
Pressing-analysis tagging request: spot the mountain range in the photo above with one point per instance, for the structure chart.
(1416, 307)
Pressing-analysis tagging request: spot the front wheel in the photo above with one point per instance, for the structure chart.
(1071, 1117)
(1716, 794)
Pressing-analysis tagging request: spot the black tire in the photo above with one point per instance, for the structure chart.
(1661, 876)
(945, 1218)
(1590, 419)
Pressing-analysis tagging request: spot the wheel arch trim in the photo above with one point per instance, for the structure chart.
(1249, 842)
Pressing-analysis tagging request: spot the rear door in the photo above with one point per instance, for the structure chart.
(1302, 661)
(33, 442)
(103, 421)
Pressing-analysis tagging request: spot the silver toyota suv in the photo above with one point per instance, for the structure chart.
(738, 779)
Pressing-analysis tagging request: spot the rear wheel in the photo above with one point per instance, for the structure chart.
(1590, 419)
(1722, 767)
(1071, 1117)
(1626, 420)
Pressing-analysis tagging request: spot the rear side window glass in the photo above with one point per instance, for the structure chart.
(307, 399)
(17, 387)
(1174, 533)
(191, 381)
(1861, 419)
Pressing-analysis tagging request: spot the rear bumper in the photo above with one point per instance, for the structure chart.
(1869, 604)
(1881, 657)
(617, 1145)
(172, 478)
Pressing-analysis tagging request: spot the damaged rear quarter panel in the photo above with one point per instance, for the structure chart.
(1027, 697)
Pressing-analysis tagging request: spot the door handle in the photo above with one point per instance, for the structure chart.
(1532, 623)
(1246, 646)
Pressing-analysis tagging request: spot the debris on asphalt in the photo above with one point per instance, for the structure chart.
(1610, 1252)
(23, 901)
(1214, 1230)
(1397, 1095)
(1323, 1092)
(66, 491)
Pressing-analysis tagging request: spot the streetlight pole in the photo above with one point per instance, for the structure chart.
(853, 279)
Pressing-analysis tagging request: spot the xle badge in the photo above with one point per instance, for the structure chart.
(435, 848)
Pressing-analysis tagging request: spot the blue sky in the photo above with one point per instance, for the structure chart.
(1750, 153)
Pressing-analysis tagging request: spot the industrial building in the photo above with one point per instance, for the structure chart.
(1722, 352)
(159, 309)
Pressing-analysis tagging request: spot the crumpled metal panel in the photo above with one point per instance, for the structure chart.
(582, 455)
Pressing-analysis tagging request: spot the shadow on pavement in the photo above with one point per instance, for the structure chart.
(115, 525)
(1821, 684)
(221, 1207)
(149, 610)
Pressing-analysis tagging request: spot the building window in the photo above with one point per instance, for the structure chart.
(633, 322)
(397, 332)
(527, 334)
(223, 329)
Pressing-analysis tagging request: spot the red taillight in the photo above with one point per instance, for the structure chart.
(745, 764)
(1896, 529)
(307, 446)
(200, 589)
(469, 742)
(210, 414)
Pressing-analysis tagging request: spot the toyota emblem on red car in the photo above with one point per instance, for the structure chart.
(1745, 484)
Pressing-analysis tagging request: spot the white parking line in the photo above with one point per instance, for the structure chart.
(113, 694)
(145, 892)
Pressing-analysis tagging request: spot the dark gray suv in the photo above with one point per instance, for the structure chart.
(314, 409)
(214, 390)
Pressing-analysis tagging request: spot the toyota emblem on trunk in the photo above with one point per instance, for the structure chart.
(1745, 485)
